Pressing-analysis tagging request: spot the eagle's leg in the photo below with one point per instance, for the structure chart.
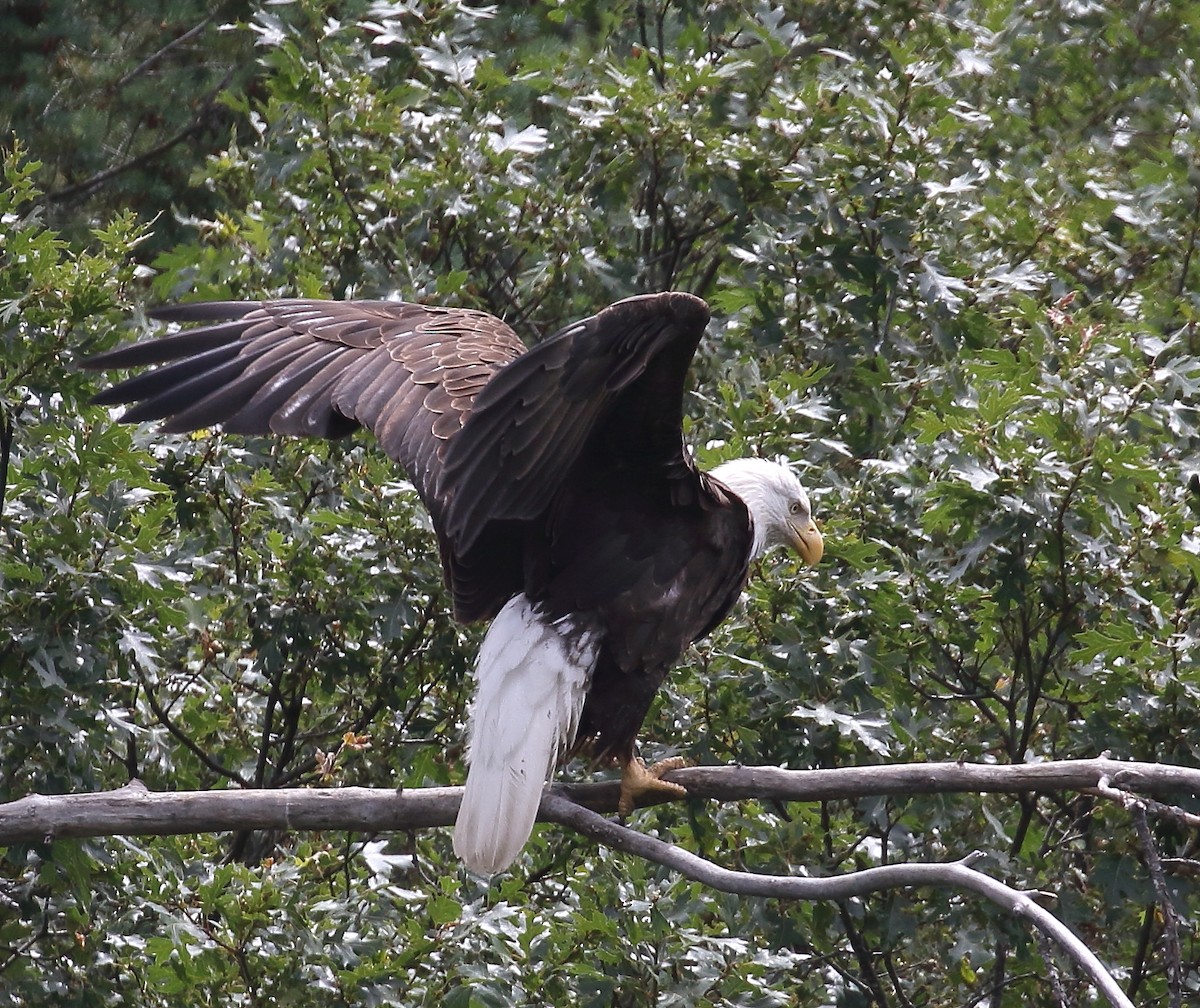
(637, 779)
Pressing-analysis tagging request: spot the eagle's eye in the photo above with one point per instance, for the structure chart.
(795, 508)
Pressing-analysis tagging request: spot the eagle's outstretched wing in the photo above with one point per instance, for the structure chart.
(487, 430)
(407, 372)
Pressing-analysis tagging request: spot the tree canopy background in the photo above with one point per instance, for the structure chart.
(950, 249)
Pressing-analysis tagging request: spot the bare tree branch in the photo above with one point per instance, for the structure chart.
(154, 58)
(1157, 809)
(734, 783)
(204, 110)
(133, 809)
(956, 875)
(1137, 809)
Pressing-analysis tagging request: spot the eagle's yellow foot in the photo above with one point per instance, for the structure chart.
(637, 779)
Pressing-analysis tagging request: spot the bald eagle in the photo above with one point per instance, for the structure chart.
(567, 509)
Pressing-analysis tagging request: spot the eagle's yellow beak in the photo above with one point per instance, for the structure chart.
(807, 541)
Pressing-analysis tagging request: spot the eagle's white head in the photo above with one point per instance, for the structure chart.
(778, 504)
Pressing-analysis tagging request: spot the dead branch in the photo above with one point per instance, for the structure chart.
(134, 810)
(955, 875)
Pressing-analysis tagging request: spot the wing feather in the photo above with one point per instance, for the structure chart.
(288, 376)
(318, 367)
(488, 432)
(165, 401)
(398, 437)
(309, 411)
(150, 383)
(534, 420)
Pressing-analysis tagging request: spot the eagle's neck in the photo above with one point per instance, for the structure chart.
(749, 485)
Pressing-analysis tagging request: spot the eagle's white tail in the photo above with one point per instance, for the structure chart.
(532, 678)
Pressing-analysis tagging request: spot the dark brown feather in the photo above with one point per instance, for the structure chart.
(559, 472)
(569, 386)
(321, 367)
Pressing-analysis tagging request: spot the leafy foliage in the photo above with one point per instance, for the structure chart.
(118, 102)
(951, 254)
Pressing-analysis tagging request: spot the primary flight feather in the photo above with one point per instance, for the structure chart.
(567, 508)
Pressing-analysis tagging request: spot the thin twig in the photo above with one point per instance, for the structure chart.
(184, 738)
(1160, 810)
(1056, 984)
(7, 432)
(197, 123)
(153, 58)
(1172, 952)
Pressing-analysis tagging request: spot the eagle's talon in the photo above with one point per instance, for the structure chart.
(637, 779)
